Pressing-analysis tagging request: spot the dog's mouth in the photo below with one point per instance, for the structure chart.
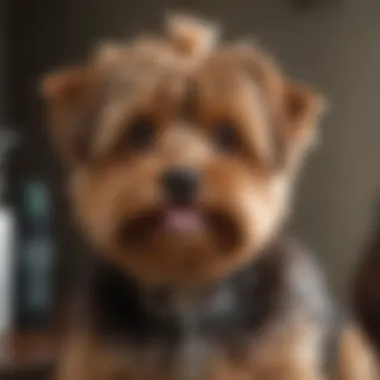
(180, 222)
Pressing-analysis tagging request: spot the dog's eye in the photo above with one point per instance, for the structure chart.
(225, 137)
(141, 134)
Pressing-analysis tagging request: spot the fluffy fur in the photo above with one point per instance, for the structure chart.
(228, 299)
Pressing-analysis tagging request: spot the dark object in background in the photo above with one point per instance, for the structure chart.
(37, 374)
(34, 297)
(8, 140)
(367, 289)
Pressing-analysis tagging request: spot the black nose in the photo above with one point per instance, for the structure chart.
(181, 185)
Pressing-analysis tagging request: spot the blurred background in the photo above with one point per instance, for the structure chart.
(330, 44)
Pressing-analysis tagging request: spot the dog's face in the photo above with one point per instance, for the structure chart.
(182, 157)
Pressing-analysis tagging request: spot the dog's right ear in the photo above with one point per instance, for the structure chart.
(302, 110)
(70, 95)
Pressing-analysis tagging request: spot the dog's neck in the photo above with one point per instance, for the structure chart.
(241, 302)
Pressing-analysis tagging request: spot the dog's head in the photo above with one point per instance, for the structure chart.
(182, 154)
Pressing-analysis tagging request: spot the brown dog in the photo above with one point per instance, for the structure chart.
(182, 159)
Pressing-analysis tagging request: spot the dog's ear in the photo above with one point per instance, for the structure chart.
(302, 111)
(295, 109)
(69, 95)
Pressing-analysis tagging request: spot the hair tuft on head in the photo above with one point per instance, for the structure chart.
(191, 36)
(107, 52)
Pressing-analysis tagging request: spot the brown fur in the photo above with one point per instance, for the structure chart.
(92, 109)
(356, 358)
(285, 358)
(292, 357)
(237, 84)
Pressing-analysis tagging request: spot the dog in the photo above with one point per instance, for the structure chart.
(182, 156)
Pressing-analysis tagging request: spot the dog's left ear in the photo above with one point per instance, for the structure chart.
(69, 96)
(303, 108)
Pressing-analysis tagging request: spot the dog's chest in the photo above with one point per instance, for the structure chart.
(183, 347)
(181, 338)
(194, 351)
(193, 356)
(195, 360)
(188, 352)
(197, 348)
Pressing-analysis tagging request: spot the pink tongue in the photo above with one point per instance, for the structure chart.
(183, 220)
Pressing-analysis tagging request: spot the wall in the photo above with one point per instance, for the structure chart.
(3, 57)
(334, 46)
